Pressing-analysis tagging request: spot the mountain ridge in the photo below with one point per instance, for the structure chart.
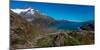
(37, 18)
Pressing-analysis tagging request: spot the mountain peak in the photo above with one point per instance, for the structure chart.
(29, 10)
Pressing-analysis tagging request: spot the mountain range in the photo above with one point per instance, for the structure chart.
(31, 29)
(41, 20)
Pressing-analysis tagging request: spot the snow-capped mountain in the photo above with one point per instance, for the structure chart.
(26, 13)
(18, 10)
(33, 16)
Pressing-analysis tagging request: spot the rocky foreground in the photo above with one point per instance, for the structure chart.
(27, 35)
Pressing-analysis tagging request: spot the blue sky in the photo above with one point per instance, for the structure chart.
(70, 12)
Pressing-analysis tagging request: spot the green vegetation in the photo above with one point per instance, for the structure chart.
(73, 38)
(45, 42)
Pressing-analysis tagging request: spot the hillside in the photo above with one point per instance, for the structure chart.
(25, 34)
(20, 31)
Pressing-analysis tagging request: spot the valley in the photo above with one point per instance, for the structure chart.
(32, 29)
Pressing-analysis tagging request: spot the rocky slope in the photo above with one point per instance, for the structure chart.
(23, 33)
(20, 31)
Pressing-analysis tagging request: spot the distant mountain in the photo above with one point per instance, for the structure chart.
(88, 22)
(65, 25)
(63, 21)
(28, 14)
(88, 25)
(71, 25)
(34, 16)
